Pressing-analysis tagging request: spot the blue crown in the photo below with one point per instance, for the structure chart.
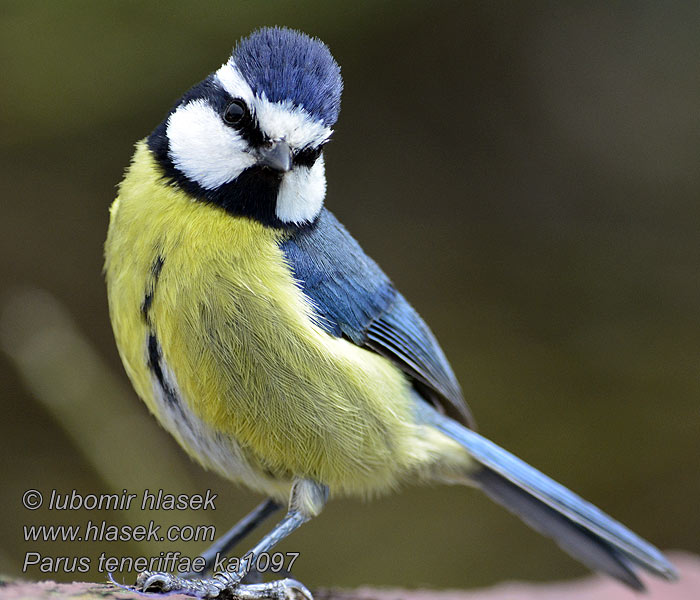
(289, 65)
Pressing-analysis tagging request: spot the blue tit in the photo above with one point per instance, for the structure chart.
(274, 350)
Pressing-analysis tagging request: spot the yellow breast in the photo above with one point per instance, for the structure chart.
(239, 344)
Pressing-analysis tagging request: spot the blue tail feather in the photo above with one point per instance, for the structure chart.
(578, 526)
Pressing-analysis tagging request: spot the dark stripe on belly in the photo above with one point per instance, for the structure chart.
(154, 364)
(156, 268)
(155, 354)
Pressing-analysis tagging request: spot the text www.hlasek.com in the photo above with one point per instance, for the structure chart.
(103, 531)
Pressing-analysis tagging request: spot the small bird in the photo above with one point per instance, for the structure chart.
(274, 350)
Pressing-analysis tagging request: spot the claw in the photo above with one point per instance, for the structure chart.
(295, 590)
(154, 582)
(166, 584)
(283, 589)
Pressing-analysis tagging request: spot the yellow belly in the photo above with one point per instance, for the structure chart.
(275, 396)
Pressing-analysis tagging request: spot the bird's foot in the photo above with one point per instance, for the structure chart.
(157, 582)
(222, 587)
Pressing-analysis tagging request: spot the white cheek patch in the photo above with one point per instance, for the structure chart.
(204, 148)
(301, 194)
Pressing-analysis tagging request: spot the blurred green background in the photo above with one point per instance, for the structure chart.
(527, 173)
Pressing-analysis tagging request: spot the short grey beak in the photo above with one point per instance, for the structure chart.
(277, 157)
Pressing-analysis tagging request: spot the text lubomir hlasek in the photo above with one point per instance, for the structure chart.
(149, 500)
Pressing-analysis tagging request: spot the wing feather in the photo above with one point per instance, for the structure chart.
(354, 299)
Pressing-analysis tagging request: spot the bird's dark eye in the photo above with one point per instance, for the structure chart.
(235, 112)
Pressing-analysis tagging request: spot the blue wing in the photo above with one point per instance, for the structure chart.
(356, 300)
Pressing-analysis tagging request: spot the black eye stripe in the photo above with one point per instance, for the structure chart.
(307, 157)
(237, 115)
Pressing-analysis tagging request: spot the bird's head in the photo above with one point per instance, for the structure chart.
(250, 137)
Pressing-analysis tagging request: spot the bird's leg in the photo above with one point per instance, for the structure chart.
(234, 535)
(306, 500)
